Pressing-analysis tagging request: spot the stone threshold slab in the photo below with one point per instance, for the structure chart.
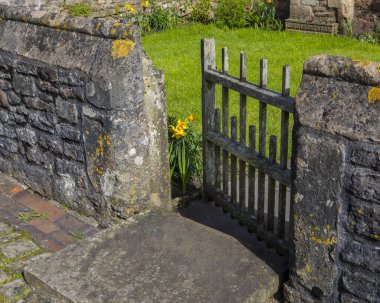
(155, 257)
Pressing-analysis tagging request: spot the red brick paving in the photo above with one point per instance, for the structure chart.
(53, 233)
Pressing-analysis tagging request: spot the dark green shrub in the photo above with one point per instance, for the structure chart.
(201, 12)
(79, 10)
(231, 13)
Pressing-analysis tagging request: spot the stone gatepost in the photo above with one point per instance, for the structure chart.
(335, 255)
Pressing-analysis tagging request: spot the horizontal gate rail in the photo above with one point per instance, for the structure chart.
(251, 90)
(252, 158)
(237, 174)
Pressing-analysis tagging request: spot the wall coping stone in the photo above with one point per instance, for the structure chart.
(348, 69)
(101, 27)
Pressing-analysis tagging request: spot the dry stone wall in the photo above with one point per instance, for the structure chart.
(82, 113)
(336, 166)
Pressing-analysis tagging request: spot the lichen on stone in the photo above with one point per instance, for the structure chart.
(121, 48)
(374, 94)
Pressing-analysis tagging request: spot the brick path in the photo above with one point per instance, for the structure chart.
(29, 226)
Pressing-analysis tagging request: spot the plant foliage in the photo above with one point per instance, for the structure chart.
(184, 151)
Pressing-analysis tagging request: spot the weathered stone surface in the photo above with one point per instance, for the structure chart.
(332, 101)
(18, 248)
(4, 228)
(362, 255)
(362, 288)
(158, 257)
(12, 289)
(67, 111)
(3, 276)
(336, 183)
(83, 114)
(367, 155)
(27, 135)
(364, 219)
(8, 237)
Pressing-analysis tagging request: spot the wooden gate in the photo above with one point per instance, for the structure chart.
(247, 183)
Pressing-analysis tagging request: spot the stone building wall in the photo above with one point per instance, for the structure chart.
(82, 113)
(336, 167)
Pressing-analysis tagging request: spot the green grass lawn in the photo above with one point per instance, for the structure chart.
(177, 53)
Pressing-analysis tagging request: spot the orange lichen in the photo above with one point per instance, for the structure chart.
(121, 48)
(374, 94)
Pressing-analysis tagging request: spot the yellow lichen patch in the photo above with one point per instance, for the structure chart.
(359, 211)
(98, 25)
(121, 48)
(378, 69)
(374, 94)
(362, 63)
(116, 24)
(327, 241)
(374, 236)
(113, 31)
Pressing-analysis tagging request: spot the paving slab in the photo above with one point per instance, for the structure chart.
(4, 228)
(8, 237)
(155, 257)
(3, 276)
(18, 248)
(12, 289)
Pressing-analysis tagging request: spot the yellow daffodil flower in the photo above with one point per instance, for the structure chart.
(132, 11)
(144, 3)
(190, 118)
(128, 6)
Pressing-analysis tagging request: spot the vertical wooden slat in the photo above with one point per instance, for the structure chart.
(225, 120)
(218, 163)
(283, 153)
(262, 141)
(251, 172)
(243, 130)
(271, 184)
(208, 108)
(234, 162)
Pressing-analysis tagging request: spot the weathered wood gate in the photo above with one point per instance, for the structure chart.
(227, 159)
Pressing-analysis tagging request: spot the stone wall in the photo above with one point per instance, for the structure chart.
(367, 12)
(99, 7)
(335, 254)
(82, 113)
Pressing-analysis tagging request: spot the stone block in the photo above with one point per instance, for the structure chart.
(73, 151)
(364, 184)
(9, 144)
(24, 85)
(362, 255)
(36, 155)
(27, 135)
(71, 77)
(67, 111)
(12, 289)
(13, 98)
(36, 103)
(364, 219)
(310, 2)
(317, 190)
(68, 132)
(51, 143)
(334, 3)
(366, 155)
(4, 84)
(18, 248)
(335, 87)
(301, 12)
(47, 73)
(359, 286)
(43, 121)
(75, 170)
(3, 99)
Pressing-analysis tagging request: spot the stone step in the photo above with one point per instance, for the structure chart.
(159, 257)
